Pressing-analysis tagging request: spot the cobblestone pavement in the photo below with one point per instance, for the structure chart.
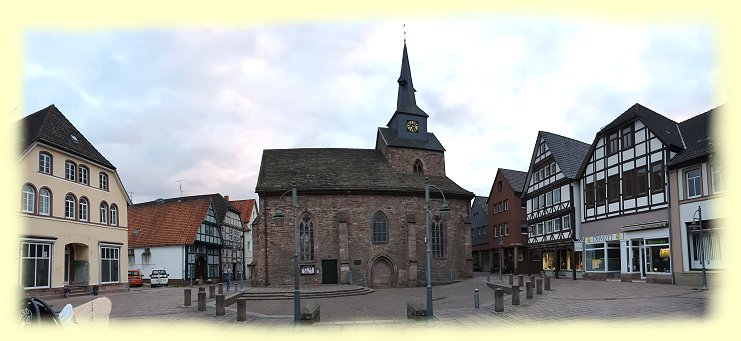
(568, 300)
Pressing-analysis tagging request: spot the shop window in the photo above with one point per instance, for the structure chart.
(549, 261)
(109, 264)
(657, 255)
(710, 248)
(35, 265)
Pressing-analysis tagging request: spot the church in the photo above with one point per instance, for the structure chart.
(361, 212)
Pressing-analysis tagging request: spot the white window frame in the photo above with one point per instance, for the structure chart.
(113, 209)
(44, 202)
(36, 259)
(84, 175)
(103, 213)
(44, 163)
(566, 222)
(28, 199)
(84, 213)
(697, 181)
(103, 181)
(109, 252)
(70, 206)
(716, 169)
(70, 171)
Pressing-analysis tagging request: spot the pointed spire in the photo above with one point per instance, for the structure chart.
(406, 102)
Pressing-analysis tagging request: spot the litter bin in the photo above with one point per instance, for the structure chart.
(95, 290)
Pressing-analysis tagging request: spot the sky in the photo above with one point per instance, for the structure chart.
(199, 104)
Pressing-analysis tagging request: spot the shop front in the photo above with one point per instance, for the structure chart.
(647, 255)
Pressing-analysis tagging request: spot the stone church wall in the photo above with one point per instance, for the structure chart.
(405, 249)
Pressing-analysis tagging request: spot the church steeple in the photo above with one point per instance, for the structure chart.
(406, 102)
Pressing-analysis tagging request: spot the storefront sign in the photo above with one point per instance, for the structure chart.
(657, 241)
(603, 238)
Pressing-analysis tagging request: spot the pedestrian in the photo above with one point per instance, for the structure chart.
(228, 276)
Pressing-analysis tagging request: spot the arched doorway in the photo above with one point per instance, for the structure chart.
(69, 264)
(381, 273)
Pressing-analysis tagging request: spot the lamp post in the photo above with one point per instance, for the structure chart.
(445, 215)
(501, 257)
(697, 226)
(278, 220)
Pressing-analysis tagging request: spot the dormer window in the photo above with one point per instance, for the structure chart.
(418, 167)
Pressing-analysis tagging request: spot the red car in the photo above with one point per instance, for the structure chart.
(135, 278)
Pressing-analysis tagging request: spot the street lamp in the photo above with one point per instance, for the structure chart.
(501, 257)
(278, 220)
(697, 226)
(444, 213)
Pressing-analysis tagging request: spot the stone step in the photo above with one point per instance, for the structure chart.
(254, 296)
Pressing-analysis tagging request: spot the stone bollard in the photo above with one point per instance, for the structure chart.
(539, 286)
(186, 297)
(476, 298)
(211, 291)
(220, 309)
(498, 300)
(488, 278)
(532, 278)
(529, 290)
(201, 299)
(515, 295)
(547, 283)
(221, 288)
(511, 279)
(520, 280)
(241, 309)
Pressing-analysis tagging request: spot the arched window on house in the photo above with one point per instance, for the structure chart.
(439, 240)
(69, 206)
(44, 201)
(84, 209)
(380, 231)
(84, 174)
(103, 213)
(28, 199)
(114, 215)
(418, 167)
(306, 235)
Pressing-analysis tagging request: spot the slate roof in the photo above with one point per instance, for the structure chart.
(515, 178)
(479, 203)
(664, 128)
(697, 137)
(392, 139)
(172, 221)
(569, 153)
(51, 127)
(245, 208)
(406, 102)
(332, 170)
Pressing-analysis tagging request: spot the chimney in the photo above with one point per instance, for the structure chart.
(226, 197)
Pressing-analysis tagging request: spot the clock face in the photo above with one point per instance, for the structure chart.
(412, 126)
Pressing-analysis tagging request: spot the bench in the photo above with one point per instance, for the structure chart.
(416, 310)
(310, 313)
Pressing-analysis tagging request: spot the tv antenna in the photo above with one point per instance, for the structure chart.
(180, 186)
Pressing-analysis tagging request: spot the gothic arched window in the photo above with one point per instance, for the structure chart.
(418, 167)
(380, 231)
(439, 240)
(306, 241)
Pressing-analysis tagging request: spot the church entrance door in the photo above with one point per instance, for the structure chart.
(381, 274)
(329, 271)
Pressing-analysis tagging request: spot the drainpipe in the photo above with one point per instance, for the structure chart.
(669, 221)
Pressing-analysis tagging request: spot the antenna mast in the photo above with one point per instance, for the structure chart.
(180, 186)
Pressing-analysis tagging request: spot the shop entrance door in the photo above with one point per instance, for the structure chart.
(638, 258)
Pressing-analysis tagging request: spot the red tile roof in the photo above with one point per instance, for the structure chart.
(173, 222)
(245, 207)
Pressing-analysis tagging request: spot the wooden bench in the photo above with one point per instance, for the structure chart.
(310, 313)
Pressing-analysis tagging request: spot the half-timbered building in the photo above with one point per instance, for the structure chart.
(625, 197)
(551, 195)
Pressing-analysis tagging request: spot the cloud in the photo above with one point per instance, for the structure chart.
(202, 104)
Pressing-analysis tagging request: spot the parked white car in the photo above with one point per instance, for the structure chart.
(158, 277)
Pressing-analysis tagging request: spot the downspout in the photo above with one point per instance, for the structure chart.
(669, 220)
(265, 234)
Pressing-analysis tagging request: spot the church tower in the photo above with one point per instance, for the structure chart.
(405, 142)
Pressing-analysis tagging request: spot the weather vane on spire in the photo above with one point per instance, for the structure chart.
(405, 33)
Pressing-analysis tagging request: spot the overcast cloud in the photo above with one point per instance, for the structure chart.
(201, 104)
